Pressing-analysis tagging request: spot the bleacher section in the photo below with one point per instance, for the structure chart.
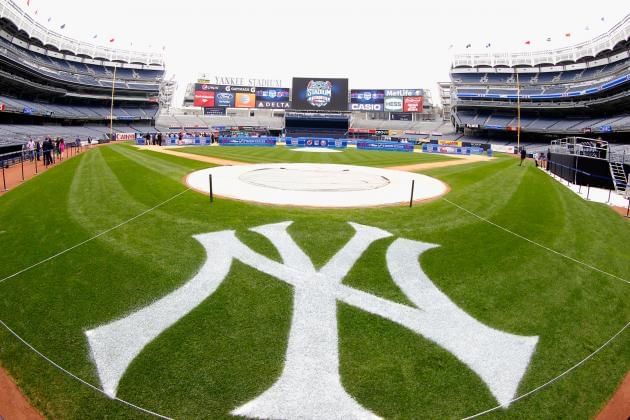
(77, 111)
(80, 73)
(571, 125)
(67, 88)
(559, 92)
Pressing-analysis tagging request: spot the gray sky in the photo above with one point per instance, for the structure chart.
(377, 44)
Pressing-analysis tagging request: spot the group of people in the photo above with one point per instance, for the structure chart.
(50, 150)
(153, 139)
(540, 158)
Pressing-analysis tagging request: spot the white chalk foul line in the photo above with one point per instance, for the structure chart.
(67, 372)
(537, 244)
(72, 375)
(566, 372)
(581, 362)
(93, 237)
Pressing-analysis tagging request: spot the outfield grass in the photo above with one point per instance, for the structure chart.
(231, 347)
(283, 154)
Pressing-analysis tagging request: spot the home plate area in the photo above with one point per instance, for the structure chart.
(316, 185)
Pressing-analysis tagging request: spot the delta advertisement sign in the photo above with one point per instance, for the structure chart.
(277, 98)
(209, 95)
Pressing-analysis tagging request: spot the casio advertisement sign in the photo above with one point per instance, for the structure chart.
(366, 107)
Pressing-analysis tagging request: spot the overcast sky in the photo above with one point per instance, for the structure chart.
(377, 44)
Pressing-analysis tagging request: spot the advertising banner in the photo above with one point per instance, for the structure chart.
(453, 150)
(391, 146)
(394, 104)
(245, 100)
(204, 98)
(503, 149)
(361, 131)
(224, 88)
(367, 107)
(276, 98)
(320, 94)
(125, 136)
(316, 142)
(454, 143)
(404, 92)
(224, 96)
(214, 111)
(413, 104)
(367, 100)
(248, 141)
(224, 99)
(399, 116)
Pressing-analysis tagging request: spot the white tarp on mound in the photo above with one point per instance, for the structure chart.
(318, 185)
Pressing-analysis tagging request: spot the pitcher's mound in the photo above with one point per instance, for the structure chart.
(316, 185)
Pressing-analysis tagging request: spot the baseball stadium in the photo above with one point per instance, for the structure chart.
(311, 247)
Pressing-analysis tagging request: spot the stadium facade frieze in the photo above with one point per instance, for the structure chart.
(240, 81)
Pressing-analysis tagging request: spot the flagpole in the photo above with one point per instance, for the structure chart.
(518, 113)
(111, 111)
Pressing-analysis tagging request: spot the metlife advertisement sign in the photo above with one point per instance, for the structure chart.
(404, 92)
(319, 94)
(367, 100)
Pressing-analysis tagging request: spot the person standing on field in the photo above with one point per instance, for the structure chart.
(523, 156)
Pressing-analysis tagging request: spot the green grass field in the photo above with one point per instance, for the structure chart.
(231, 348)
(286, 155)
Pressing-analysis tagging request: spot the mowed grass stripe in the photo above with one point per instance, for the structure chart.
(231, 347)
(280, 154)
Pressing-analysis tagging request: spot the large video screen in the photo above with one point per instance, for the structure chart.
(318, 93)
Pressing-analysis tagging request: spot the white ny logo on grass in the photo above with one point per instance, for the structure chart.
(310, 384)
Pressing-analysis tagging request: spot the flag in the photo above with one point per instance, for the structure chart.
(468, 45)
(62, 26)
(112, 40)
(568, 34)
(528, 42)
